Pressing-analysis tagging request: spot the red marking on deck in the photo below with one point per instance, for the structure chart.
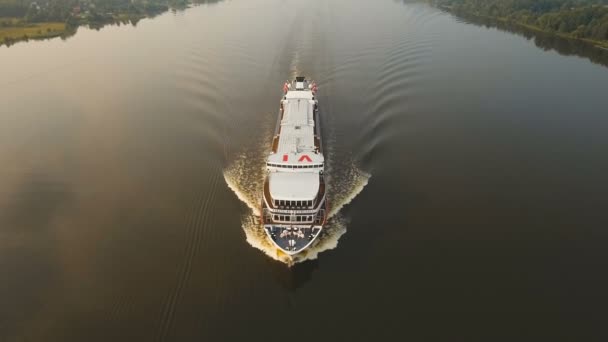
(285, 157)
(305, 157)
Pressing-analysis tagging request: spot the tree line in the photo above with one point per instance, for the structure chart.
(66, 10)
(586, 19)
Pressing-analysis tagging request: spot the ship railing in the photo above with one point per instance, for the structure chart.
(320, 218)
(291, 219)
(293, 211)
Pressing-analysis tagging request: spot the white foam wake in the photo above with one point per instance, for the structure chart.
(245, 176)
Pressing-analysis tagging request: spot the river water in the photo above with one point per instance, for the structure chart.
(467, 174)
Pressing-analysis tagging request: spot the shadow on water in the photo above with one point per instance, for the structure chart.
(544, 40)
(292, 278)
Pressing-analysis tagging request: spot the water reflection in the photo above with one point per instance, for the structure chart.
(110, 20)
(545, 41)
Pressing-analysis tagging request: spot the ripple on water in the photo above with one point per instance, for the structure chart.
(400, 77)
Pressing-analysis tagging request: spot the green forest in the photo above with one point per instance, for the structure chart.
(581, 19)
(37, 19)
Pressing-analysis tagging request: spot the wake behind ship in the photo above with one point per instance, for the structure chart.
(294, 205)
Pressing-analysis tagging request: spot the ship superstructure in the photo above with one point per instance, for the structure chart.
(294, 205)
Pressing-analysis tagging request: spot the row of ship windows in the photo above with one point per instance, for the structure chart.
(282, 203)
(288, 218)
(316, 166)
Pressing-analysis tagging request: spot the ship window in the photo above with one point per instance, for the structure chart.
(276, 217)
(310, 203)
(299, 218)
(276, 203)
(287, 218)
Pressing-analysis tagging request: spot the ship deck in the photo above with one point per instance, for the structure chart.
(316, 138)
(292, 239)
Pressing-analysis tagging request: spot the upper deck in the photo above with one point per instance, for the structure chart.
(296, 145)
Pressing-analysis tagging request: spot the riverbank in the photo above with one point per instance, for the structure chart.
(597, 43)
(13, 30)
(48, 20)
(586, 24)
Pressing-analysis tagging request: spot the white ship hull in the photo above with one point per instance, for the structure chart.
(294, 204)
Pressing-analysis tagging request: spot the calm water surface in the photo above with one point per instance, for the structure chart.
(468, 176)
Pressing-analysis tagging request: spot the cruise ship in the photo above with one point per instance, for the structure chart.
(294, 205)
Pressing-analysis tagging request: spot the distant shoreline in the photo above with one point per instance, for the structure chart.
(14, 29)
(25, 31)
(450, 9)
